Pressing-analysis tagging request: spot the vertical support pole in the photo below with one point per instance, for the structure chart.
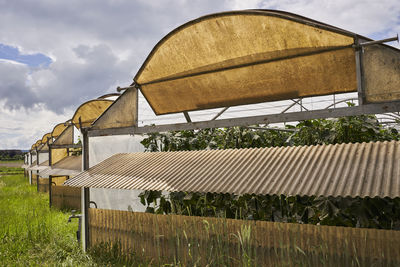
(85, 151)
(37, 157)
(50, 182)
(136, 115)
(49, 145)
(30, 172)
(85, 214)
(37, 180)
(360, 73)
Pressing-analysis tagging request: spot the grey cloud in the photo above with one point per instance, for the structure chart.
(97, 71)
(14, 90)
(95, 34)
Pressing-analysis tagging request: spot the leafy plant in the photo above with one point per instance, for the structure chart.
(355, 212)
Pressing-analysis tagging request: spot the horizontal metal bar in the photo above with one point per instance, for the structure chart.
(272, 129)
(341, 101)
(112, 131)
(377, 108)
(66, 146)
(387, 40)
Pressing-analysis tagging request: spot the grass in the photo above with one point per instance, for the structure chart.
(31, 234)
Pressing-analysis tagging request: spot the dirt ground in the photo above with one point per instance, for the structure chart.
(11, 163)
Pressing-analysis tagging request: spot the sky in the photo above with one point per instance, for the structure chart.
(55, 55)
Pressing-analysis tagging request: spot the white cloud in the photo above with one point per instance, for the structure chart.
(21, 127)
(98, 45)
(365, 17)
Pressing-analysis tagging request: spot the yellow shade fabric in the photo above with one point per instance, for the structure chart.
(58, 129)
(45, 137)
(246, 57)
(90, 111)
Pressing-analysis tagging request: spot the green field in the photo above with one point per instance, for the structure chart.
(31, 234)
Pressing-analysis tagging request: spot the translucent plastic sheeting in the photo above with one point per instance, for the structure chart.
(246, 57)
(102, 147)
(58, 154)
(382, 73)
(89, 111)
(117, 199)
(66, 137)
(43, 157)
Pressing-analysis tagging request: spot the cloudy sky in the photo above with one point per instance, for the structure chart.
(54, 55)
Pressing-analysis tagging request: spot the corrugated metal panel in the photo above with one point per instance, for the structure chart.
(42, 166)
(362, 169)
(69, 166)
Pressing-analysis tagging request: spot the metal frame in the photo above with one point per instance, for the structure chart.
(362, 108)
(376, 108)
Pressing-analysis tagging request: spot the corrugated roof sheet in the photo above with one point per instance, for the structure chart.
(69, 166)
(362, 169)
(42, 166)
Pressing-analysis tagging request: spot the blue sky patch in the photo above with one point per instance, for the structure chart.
(34, 60)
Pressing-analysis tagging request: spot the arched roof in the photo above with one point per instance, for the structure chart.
(36, 144)
(245, 57)
(90, 111)
(58, 129)
(45, 137)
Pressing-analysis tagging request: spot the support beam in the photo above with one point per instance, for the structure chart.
(66, 146)
(376, 108)
(360, 74)
(85, 149)
(219, 113)
(50, 182)
(37, 181)
(273, 129)
(85, 212)
(187, 117)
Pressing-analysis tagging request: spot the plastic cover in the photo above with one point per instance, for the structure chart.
(102, 147)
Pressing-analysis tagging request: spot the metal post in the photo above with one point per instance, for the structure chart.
(85, 151)
(360, 73)
(49, 145)
(85, 212)
(50, 182)
(37, 180)
(136, 115)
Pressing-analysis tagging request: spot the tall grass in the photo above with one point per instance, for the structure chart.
(31, 234)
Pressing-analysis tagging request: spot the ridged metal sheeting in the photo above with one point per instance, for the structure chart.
(42, 166)
(362, 169)
(69, 166)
